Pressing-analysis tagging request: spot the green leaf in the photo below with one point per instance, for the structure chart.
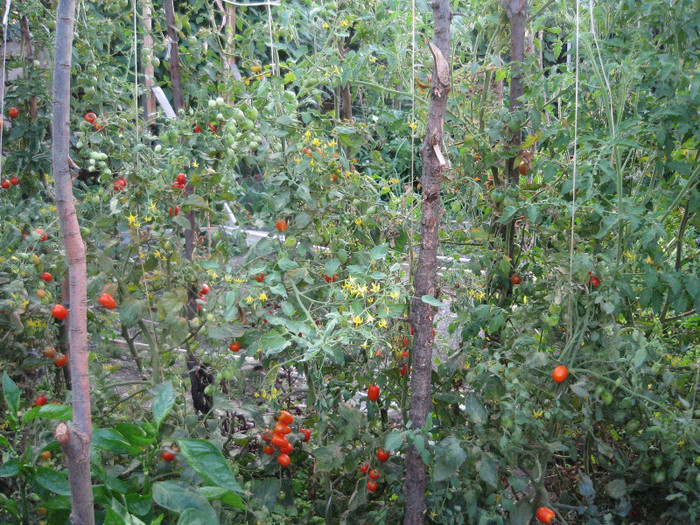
(113, 441)
(379, 252)
(9, 468)
(53, 480)
(223, 332)
(332, 267)
(50, 411)
(272, 342)
(616, 489)
(477, 412)
(178, 497)
(265, 491)
(207, 461)
(196, 517)
(163, 403)
(131, 311)
(449, 456)
(286, 264)
(429, 299)
(521, 513)
(393, 441)
(11, 393)
(225, 496)
(488, 473)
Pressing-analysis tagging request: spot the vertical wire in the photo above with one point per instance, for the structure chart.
(5, 22)
(575, 171)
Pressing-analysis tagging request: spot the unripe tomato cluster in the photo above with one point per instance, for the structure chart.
(277, 438)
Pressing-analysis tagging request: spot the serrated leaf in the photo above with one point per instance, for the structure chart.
(208, 461)
(429, 299)
(475, 410)
(273, 343)
(393, 441)
(131, 311)
(163, 403)
(286, 264)
(616, 489)
(488, 473)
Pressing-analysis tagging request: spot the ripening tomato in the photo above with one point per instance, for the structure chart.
(373, 392)
(266, 436)
(90, 117)
(197, 128)
(307, 434)
(13, 112)
(177, 186)
(14, 181)
(46, 454)
(174, 212)
(181, 178)
(403, 370)
(281, 225)
(373, 474)
(97, 127)
(522, 168)
(545, 515)
(41, 234)
(327, 278)
(515, 278)
(107, 301)
(5, 184)
(372, 485)
(167, 456)
(60, 360)
(50, 352)
(119, 184)
(260, 277)
(281, 428)
(235, 346)
(269, 450)
(382, 455)
(364, 467)
(284, 460)
(205, 289)
(279, 441)
(40, 400)
(286, 449)
(285, 418)
(46, 276)
(560, 373)
(594, 281)
(59, 312)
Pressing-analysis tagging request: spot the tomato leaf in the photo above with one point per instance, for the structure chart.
(616, 489)
(163, 403)
(178, 497)
(208, 461)
(488, 473)
(196, 517)
(393, 441)
(224, 495)
(429, 299)
(379, 252)
(477, 412)
(449, 456)
(11, 393)
(273, 343)
(53, 480)
(286, 264)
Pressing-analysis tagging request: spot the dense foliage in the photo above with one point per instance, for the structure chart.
(312, 317)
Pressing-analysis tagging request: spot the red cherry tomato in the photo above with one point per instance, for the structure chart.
(59, 312)
(372, 485)
(281, 225)
(181, 178)
(364, 467)
(560, 373)
(279, 440)
(90, 117)
(382, 455)
(235, 346)
(307, 434)
(285, 417)
(167, 456)
(60, 360)
(373, 392)
(46, 276)
(545, 515)
(284, 460)
(594, 281)
(13, 112)
(373, 474)
(260, 277)
(14, 181)
(107, 301)
(40, 400)
(515, 278)
(269, 450)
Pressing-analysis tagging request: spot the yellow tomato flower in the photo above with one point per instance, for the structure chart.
(357, 320)
(249, 299)
(262, 297)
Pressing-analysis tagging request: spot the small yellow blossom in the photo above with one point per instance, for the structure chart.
(316, 143)
(537, 413)
(344, 23)
(152, 207)
(376, 287)
(364, 345)
(357, 320)
(238, 280)
(307, 135)
(382, 323)
(262, 297)
(256, 69)
(249, 299)
(413, 126)
(195, 164)
(212, 274)
(370, 318)
(132, 220)
(297, 160)
(394, 295)
(358, 221)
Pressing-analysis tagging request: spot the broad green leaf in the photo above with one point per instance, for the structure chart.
(178, 497)
(286, 264)
(449, 456)
(272, 342)
(224, 495)
(163, 403)
(521, 513)
(207, 461)
(131, 311)
(379, 252)
(196, 517)
(50, 411)
(477, 412)
(11, 393)
(9, 468)
(393, 441)
(616, 489)
(113, 441)
(332, 266)
(119, 515)
(53, 480)
(222, 332)
(488, 473)
(266, 491)
(429, 299)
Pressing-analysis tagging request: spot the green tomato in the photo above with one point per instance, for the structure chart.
(252, 113)
(290, 242)
(607, 398)
(658, 461)
(659, 476)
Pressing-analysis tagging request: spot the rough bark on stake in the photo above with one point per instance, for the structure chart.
(74, 441)
(517, 12)
(422, 314)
